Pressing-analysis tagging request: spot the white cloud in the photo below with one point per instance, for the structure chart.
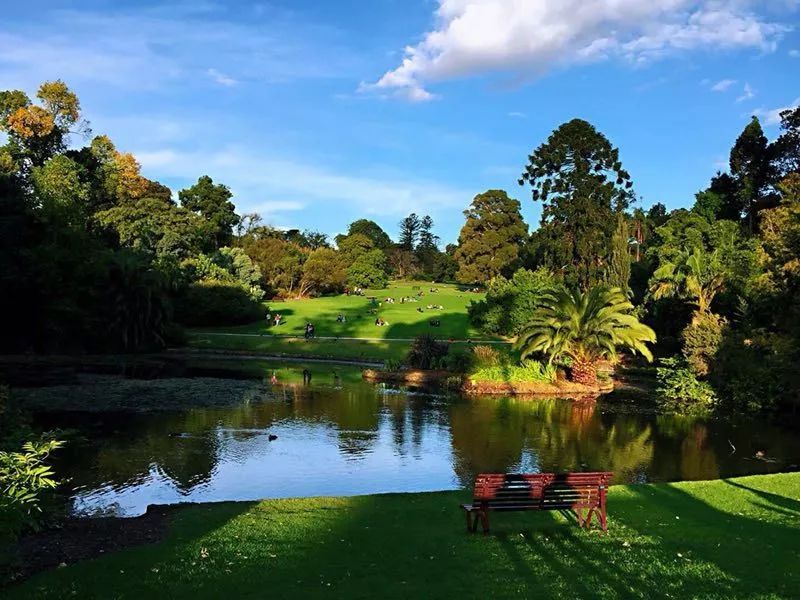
(529, 37)
(517, 115)
(747, 93)
(722, 85)
(221, 78)
(276, 184)
(772, 116)
(794, 53)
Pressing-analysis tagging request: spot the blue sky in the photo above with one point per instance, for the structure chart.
(317, 113)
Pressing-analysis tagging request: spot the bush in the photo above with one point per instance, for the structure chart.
(701, 340)
(754, 373)
(426, 352)
(509, 303)
(457, 362)
(486, 356)
(392, 365)
(24, 478)
(215, 302)
(680, 390)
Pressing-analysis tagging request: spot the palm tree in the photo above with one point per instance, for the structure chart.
(695, 277)
(585, 327)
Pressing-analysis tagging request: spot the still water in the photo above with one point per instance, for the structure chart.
(355, 438)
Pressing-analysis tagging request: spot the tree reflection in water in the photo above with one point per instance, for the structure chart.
(363, 439)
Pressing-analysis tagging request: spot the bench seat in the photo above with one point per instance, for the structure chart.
(583, 493)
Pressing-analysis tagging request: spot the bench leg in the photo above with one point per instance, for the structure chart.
(581, 518)
(485, 521)
(469, 521)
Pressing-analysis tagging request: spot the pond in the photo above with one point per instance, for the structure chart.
(214, 439)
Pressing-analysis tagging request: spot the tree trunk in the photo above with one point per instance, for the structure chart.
(584, 372)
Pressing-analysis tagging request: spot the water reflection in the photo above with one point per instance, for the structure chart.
(363, 439)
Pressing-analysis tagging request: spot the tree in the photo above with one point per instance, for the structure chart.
(427, 249)
(138, 303)
(490, 241)
(585, 327)
(325, 271)
(403, 263)
(155, 228)
(509, 303)
(368, 270)
(785, 151)
(354, 246)
(695, 277)
(373, 231)
(409, 232)
(751, 169)
(212, 202)
(619, 264)
(36, 133)
(577, 176)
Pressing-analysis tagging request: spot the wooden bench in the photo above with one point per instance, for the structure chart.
(584, 493)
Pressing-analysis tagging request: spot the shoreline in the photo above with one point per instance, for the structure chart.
(465, 385)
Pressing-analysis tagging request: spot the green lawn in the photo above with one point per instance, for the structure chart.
(404, 322)
(737, 538)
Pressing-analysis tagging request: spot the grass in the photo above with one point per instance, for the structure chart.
(532, 371)
(404, 322)
(733, 538)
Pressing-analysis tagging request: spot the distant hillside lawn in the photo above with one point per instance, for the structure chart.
(734, 538)
(404, 322)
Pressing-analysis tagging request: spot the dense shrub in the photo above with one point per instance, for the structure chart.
(457, 362)
(753, 373)
(701, 340)
(426, 352)
(486, 356)
(680, 390)
(214, 302)
(509, 303)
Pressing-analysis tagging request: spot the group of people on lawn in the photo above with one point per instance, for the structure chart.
(310, 331)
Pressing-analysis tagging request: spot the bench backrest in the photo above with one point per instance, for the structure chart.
(541, 490)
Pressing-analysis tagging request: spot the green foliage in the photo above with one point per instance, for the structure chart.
(380, 239)
(24, 478)
(231, 266)
(585, 326)
(701, 340)
(425, 352)
(216, 302)
(155, 227)
(324, 272)
(509, 303)
(457, 362)
(752, 170)
(529, 371)
(212, 202)
(137, 303)
(697, 277)
(392, 365)
(679, 389)
(578, 177)
(490, 241)
(755, 373)
(368, 270)
(619, 262)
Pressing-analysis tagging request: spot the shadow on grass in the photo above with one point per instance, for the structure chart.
(415, 545)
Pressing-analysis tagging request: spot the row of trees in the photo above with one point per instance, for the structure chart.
(95, 256)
